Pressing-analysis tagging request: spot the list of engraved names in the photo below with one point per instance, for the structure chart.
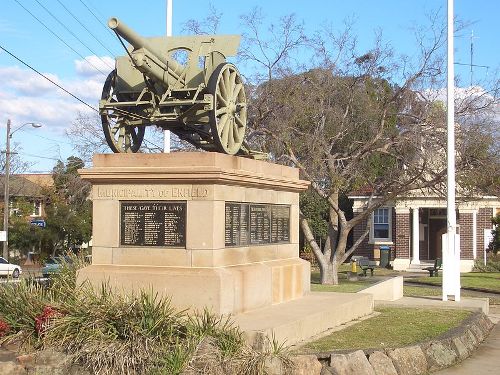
(153, 224)
(248, 223)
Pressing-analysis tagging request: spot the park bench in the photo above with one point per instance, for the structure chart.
(434, 270)
(364, 264)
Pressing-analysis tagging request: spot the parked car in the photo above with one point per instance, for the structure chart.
(53, 265)
(9, 269)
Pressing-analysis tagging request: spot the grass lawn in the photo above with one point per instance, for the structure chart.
(482, 280)
(345, 286)
(394, 327)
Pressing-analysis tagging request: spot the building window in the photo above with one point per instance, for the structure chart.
(381, 228)
(37, 208)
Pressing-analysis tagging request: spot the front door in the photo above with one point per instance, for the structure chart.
(437, 227)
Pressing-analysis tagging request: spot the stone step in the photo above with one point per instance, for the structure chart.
(295, 321)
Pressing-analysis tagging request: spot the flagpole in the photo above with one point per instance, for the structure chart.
(166, 133)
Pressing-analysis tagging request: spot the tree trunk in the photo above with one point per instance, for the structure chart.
(328, 271)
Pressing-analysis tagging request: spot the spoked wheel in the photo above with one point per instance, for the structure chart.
(119, 136)
(228, 119)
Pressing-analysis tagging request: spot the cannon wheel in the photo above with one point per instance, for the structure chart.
(228, 118)
(120, 137)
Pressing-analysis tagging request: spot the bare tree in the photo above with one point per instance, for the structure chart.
(359, 121)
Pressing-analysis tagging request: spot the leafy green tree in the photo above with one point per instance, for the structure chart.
(22, 235)
(69, 211)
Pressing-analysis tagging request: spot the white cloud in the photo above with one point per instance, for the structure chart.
(25, 81)
(94, 66)
(26, 96)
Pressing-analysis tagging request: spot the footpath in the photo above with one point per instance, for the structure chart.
(486, 358)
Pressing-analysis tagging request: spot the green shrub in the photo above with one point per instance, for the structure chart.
(110, 333)
(492, 264)
(20, 304)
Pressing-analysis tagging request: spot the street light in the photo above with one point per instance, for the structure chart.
(6, 184)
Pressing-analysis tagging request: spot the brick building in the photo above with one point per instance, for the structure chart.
(413, 227)
(28, 187)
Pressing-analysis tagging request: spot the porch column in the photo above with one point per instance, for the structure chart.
(474, 234)
(415, 235)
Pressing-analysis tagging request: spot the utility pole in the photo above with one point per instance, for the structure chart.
(6, 210)
(6, 194)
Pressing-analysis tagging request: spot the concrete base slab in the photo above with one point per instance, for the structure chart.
(296, 321)
(436, 302)
(223, 290)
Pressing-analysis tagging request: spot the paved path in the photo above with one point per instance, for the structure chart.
(486, 359)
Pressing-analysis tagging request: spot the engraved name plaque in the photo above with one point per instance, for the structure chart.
(153, 224)
(256, 224)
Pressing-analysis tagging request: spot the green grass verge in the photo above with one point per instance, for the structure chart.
(345, 286)
(394, 327)
(482, 280)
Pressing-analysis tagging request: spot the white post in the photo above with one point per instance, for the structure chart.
(451, 253)
(166, 133)
(474, 234)
(415, 237)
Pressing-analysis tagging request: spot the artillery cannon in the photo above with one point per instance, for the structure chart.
(202, 101)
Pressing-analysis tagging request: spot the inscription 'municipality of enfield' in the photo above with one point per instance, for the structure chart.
(153, 192)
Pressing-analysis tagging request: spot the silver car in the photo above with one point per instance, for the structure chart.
(9, 269)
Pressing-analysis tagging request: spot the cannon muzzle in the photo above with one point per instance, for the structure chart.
(170, 66)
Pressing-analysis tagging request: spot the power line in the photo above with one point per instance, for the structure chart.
(74, 35)
(37, 156)
(97, 18)
(48, 139)
(48, 79)
(58, 37)
(85, 27)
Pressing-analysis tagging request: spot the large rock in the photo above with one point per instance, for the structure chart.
(351, 364)
(440, 355)
(485, 323)
(477, 332)
(460, 348)
(409, 361)
(11, 368)
(382, 364)
(52, 358)
(469, 340)
(306, 365)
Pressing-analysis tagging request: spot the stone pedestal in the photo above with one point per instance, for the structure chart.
(206, 262)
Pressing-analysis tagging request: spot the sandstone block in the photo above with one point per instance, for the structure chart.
(469, 340)
(306, 365)
(11, 368)
(477, 332)
(351, 364)
(27, 360)
(440, 355)
(409, 361)
(382, 364)
(461, 348)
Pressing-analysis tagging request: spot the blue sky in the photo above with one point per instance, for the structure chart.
(25, 97)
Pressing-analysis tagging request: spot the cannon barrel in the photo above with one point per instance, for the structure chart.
(138, 42)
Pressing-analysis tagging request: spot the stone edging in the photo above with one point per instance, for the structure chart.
(443, 351)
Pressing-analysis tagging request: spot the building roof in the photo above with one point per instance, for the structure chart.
(29, 185)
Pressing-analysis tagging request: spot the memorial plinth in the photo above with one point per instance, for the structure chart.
(206, 229)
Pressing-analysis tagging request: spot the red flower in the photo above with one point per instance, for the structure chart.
(43, 321)
(4, 328)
